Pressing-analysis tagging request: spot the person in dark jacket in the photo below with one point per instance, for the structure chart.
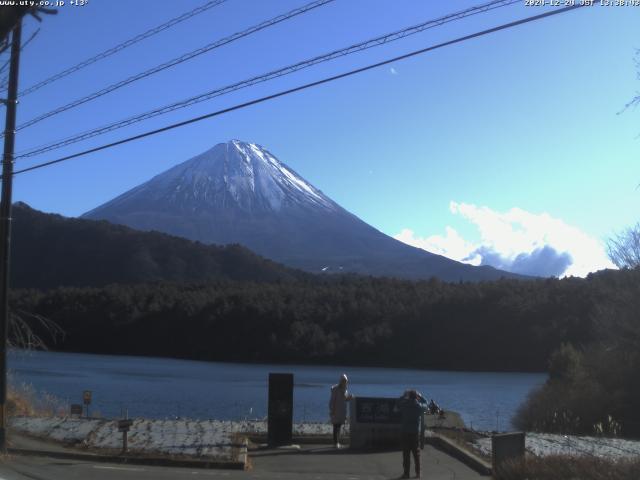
(412, 406)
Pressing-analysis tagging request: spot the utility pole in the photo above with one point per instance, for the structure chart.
(5, 222)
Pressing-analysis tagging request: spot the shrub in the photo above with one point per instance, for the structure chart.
(589, 391)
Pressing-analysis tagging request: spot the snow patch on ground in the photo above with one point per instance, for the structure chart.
(67, 430)
(542, 444)
(200, 438)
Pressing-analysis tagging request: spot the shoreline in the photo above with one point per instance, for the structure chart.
(338, 366)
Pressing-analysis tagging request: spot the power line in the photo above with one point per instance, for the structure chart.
(269, 76)
(176, 61)
(132, 41)
(303, 87)
(5, 81)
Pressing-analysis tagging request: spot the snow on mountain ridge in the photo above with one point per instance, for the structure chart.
(285, 179)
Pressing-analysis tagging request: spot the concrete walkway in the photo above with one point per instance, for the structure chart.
(308, 462)
(324, 462)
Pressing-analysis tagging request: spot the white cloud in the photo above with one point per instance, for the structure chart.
(452, 245)
(518, 241)
(393, 71)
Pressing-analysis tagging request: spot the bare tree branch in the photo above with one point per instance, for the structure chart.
(624, 248)
(635, 101)
(22, 332)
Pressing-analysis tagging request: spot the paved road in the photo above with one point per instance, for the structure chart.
(310, 463)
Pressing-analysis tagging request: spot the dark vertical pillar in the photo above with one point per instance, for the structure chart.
(506, 447)
(280, 419)
(5, 222)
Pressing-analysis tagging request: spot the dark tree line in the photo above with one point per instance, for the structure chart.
(502, 325)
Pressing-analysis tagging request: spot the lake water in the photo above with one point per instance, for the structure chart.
(164, 388)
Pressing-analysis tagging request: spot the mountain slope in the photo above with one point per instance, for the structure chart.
(50, 251)
(239, 192)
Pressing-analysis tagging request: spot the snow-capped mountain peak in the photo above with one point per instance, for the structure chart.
(232, 174)
(238, 192)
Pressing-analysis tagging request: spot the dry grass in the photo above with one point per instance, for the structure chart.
(22, 400)
(18, 405)
(560, 467)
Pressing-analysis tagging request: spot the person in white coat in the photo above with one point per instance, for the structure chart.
(338, 407)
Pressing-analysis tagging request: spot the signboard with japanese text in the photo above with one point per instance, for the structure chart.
(377, 410)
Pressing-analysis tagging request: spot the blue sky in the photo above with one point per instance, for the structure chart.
(487, 151)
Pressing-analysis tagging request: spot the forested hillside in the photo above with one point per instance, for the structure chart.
(50, 250)
(503, 325)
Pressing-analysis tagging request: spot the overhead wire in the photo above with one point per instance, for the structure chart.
(176, 61)
(121, 46)
(374, 42)
(5, 81)
(4, 46)
(306, 86)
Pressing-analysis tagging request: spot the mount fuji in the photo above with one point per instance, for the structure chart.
(239, 192)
